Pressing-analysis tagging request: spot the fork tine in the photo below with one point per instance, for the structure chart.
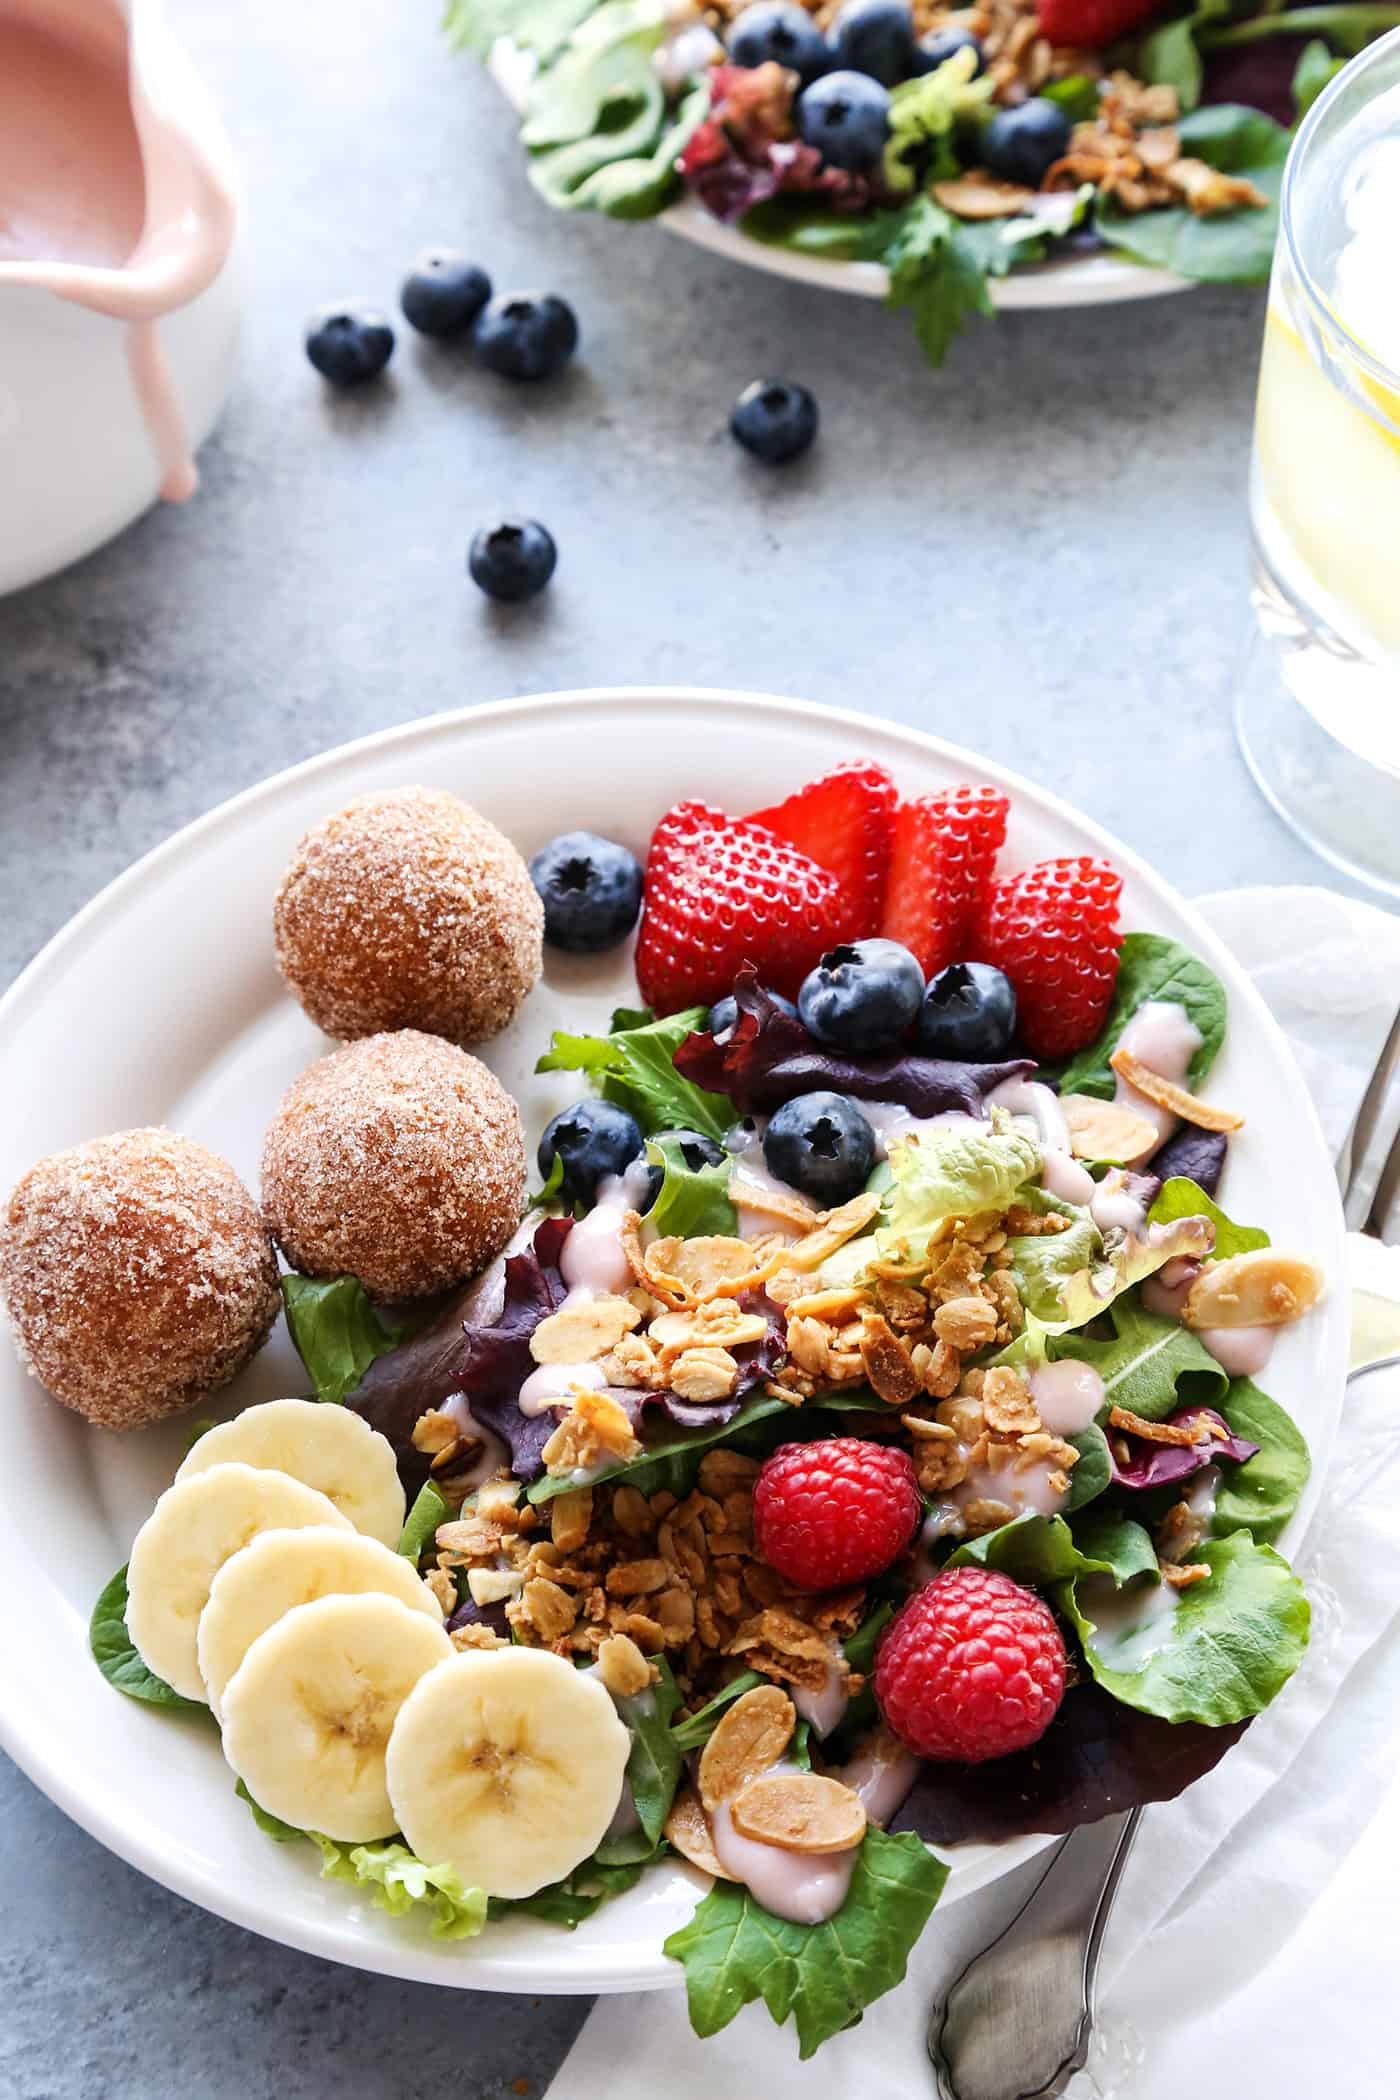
(1353, 1153)
(1387, 1188)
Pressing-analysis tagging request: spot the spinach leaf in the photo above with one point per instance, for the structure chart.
(420, 1525)
(1000, 245)
(1222, 1652)
(1151, 1366)
(337, 1331)
(1168, 57)
(1077, 95)
(1152, 967)
(653, 1764)
(693, 1200)
(116, 1656)
(1180, 1198)
(270, 1826)
(696, 1729)
(570, 1901)
(633, 1068)
(1262, 1494)
(1229, 247)
(788, 222)
(1044, 1550)
(1094, 1471)
(1315, 70)
(823, 1976)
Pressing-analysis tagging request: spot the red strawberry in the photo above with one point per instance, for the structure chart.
(721, 893)
(941, 865)
(844, 822)
(1054, 930)
(1091, 25)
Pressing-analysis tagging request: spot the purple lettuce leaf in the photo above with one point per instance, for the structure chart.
(768, 1058)
(1193, 1155)
(1259, 74)
(1158, 1465)
(1097, 1757)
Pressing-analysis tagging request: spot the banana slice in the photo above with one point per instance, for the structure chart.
(506, 1764)
(308, 1711)
(328, 1447)
(195, 1527)
(282, 1569)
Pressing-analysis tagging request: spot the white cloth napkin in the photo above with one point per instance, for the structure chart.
(1253, 1934)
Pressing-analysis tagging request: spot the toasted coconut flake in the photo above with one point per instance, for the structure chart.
(1154, 1432)
(800, 1812)
(752, 1735)
(1167, 1094)
(1260, 1289)
(688, 1828)
(980, 195)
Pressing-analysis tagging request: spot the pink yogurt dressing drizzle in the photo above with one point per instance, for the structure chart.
(105, 199)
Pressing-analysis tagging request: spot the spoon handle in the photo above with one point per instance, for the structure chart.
(1016, 2023)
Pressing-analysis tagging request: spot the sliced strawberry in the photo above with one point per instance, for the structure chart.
(720, 895)
(1090, 25)
(942, 861)
(1054, 930)
(844, 822)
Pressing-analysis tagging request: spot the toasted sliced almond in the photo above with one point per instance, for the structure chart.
(1259, 1289)
(799, 1812)
(752, 1735)
(718, 1324)
(784, 1204)
(1167, 1094)
(978, 195)
(829, 1305)
(1107, 1130)
(577, 1333)
(688, 1828)
(833, 1230)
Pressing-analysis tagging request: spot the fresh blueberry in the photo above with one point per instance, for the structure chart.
(591, 891)
(779, 29)
(593, 1139)
(1020, 144)
(512, 560)
(875, 37)
(443, 293)
(349, 344)
(969, 1012)
(775, 419)
(846, 116)
(526, 335)
(863, 996)
(821, 1145)
(725, 1012)
(939, 45)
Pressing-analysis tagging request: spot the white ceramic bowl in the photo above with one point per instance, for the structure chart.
(160, 1003)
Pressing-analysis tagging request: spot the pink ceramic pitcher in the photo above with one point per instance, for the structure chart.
(118, 299)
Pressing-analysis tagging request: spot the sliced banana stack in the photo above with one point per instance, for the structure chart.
(307, 1714)
(506, 1764)
(195, 1527)
(327, 1447)
(282, 1569)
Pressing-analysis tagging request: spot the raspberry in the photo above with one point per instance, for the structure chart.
(942, 860)
(836, 1511)
(1053, 929)
(721, 893)
(972, 1667)
(844, 822)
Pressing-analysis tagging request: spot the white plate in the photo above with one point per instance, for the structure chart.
(160, 1003)
(1081, 280)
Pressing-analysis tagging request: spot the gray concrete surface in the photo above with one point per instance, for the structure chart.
(1039, 550)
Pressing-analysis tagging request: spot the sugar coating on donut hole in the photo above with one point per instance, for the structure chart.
(409, 910)
(398, 1159)
(137, 1274)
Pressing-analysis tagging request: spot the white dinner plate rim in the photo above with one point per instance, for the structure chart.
(608, 1968)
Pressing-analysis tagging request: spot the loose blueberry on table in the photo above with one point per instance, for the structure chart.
(349, 345)
(526, 335)
(775, 419)
(443, 293)
(512, 561)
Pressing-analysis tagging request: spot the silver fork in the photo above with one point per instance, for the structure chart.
(1016, 2024)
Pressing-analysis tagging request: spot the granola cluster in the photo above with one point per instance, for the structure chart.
(1132, 153)
(675, 1577)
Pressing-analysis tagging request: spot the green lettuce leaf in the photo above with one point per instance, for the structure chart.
(924, 114)
(653, 1766)
(693, 1200)
(1168, 57)
(420, 1525)
(1151, 1366)
(1068, 1278)
(1044, 1550)
(1229, 247)
(1077, 95)
(116, 1656)
(633, 1068)
(1261, 1495)
(1182, 1198)
(1152, 967)
(1229, 1645)
(395, 1878)
(822, 1976)
(597, 126)
(337, 1331)
(949, 1173)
